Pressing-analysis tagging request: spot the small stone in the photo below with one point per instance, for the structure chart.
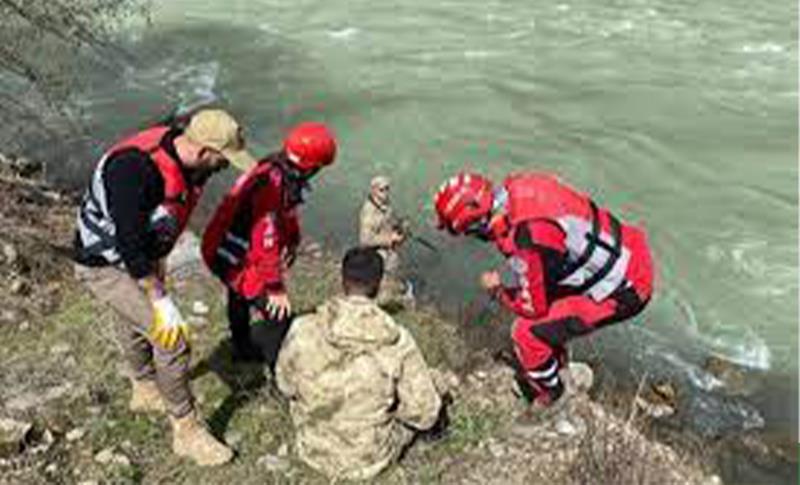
(13, 436)
(8, 316)
(105, 457)
(10, 254)
(60, 349)
(713, 480)
(233, 438)
(581, 376)
(18, 287)
(197, 321)
(51, 468)
(200, 308)
(25, 326)
(654, 410)
(481, 375)
(733, 376)
(121, 460)
(76, 434)
(273, 463)
(565, 428)
(496, 449)
(313, 247)
(26, 167)
(89, 482)
(283, 450)
(666, 391)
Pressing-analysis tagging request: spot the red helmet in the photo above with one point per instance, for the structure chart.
(310, 146)
(462, 200)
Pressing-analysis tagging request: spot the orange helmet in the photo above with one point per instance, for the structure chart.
(310, 146)
(462, 200)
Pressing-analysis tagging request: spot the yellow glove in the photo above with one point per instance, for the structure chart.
(168, 326)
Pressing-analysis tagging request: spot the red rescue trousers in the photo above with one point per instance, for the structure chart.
(540, 343)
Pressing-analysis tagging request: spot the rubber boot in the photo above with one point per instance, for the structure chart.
(145, 397)
(191, 439)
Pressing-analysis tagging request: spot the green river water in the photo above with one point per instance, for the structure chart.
(680, 115)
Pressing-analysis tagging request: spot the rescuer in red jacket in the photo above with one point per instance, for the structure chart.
(576, 267)
(254, 234)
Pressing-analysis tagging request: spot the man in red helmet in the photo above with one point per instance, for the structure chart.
(254, 234)
(576, 267)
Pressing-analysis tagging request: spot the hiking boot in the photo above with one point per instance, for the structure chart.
(191, 439)
(145, 397)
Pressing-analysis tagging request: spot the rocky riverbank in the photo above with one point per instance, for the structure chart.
(63, 403)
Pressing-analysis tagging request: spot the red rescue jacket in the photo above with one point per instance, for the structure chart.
(560, 243)
(169, 219)
(251, 231)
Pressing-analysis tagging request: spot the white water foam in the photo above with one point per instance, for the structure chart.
(700, 378)
(763, 48)
(749, 350)
(343, 34)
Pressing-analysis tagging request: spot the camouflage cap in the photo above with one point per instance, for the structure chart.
(380, 181)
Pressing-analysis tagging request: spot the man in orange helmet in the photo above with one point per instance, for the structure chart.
(577, 267)
(254, 234)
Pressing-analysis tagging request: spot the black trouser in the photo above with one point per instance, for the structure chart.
(255, 336)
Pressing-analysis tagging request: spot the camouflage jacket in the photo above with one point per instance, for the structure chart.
(376, 224)
(357, 384)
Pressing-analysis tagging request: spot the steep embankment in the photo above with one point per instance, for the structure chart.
(63, 403)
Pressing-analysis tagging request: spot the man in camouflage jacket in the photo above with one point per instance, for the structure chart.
(357, 384)
(380, 228)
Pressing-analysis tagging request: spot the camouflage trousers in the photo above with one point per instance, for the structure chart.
(392, 286)
(170, 369)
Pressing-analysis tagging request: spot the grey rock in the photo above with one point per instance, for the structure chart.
(31, 399)
(283, 450)
(8, 316)
(60, 348)
(200, 308)
(197, 321)
(714, 416)
(10, 254)
(496, 449)
(76, 434)
(109, 456)
(565, 428)
(26, 167)
(18, 287)
(273, 463)
(580, 376)
(233, 438)
(654, 410)
(105, 456)
(13, 436)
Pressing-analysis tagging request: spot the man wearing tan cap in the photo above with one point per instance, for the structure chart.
(138, 202)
